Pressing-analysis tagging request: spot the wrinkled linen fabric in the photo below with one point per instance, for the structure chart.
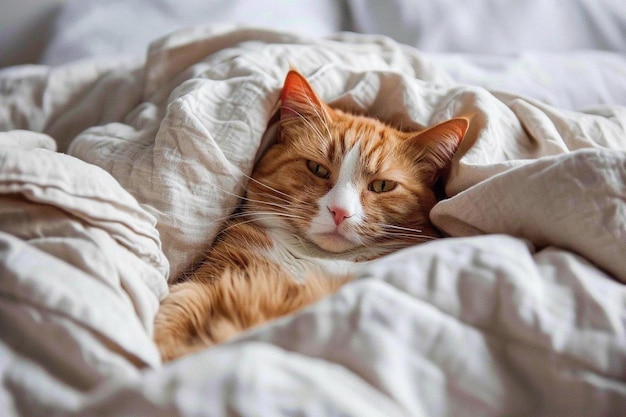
(521, 311)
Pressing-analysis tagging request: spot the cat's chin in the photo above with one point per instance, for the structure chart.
(333, 242)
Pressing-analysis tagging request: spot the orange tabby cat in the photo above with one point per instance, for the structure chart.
(334, 190)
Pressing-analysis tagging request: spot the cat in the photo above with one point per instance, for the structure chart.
(335, 190)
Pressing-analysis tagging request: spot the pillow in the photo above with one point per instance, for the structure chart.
(87, 28)
(487, 26)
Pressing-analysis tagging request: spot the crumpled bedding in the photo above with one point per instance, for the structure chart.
(116, 175)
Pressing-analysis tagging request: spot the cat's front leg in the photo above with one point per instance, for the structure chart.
(181, 320)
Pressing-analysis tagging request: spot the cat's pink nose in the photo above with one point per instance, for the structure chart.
(339, 214)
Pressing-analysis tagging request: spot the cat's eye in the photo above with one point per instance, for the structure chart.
(382, 186)
(318, 169)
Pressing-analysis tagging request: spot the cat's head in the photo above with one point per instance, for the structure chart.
(343, 183)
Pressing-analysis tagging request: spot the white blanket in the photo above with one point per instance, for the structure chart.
(522, 311)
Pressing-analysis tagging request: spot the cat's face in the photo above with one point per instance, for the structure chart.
(344, 182)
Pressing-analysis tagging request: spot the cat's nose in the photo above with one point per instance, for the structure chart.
(339, 214)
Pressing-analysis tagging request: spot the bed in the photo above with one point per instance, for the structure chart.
(124, 146)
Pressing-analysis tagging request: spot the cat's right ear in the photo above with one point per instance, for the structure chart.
(299, 101)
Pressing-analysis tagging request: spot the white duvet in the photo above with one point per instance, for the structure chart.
(115, 176)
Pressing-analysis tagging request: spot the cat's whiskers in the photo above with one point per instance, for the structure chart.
(252, 200)
(252, 220)
(280, 199)
(265, 203)
(288, 198)
(397, 233)
(253, 214)
(392, 226)
(271, 213)
(404, 233)
(417, 238)
(247, 213)
(399, 230)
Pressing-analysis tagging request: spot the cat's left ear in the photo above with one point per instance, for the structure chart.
(439, 143)
(299, 100)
